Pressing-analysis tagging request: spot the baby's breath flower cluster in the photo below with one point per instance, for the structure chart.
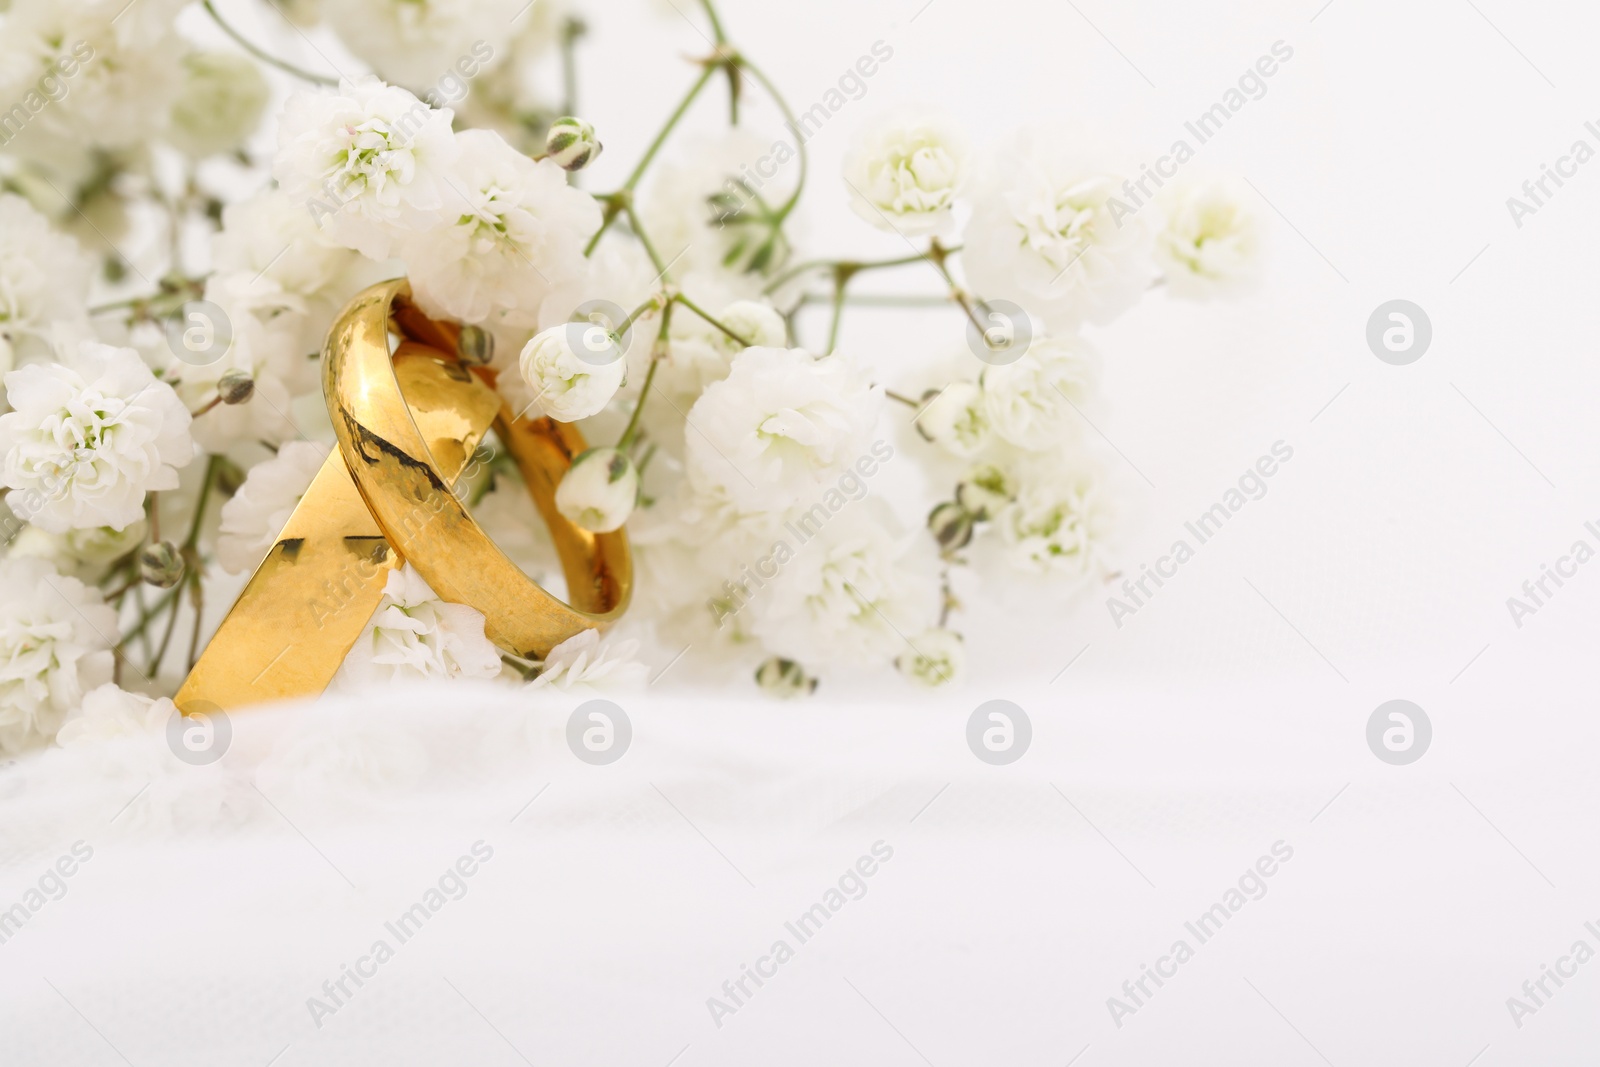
(182, 219)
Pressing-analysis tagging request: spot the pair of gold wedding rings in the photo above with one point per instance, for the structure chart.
(408, 416)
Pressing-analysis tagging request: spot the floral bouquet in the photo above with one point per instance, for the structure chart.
(185, 210)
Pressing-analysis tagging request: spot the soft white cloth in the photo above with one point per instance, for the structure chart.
(619, 898)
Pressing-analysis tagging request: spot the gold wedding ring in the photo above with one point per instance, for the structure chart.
(388, 457)
(407, 426)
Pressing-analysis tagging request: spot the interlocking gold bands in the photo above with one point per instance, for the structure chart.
(407, 425)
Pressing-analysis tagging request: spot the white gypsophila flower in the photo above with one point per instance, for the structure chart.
(256, 514)
(701, 354)
(1049, 232)
(370, 162)
(956, 420)
(986, 489)
(83, 554)
(508, 515)
(87, 74)
(224, 95)
(44, 279)
(567, 386)
(780, 426)
(700, 205)
(416, 43)
(88, 437)
(271, 236)
(517, 228)
(599, 490)
(588, 662)
(936, 657)
(414, 635)
(1210, 243)
(904, 172)
(55, 645)
(848, 594)
(1059, 519)
(271, 258)
(111, 713)
(1029, 402)
(707, 539)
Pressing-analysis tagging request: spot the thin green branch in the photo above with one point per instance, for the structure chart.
(698, 310)
(649, 248)
(841, 281)
(794, 128)
(656, 357)
(149, 615)
(266, 57)
(716, 23)
(622, 200)
(858, 265)
(571, 30)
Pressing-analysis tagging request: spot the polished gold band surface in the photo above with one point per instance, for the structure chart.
(408, 424)
(309, 600)
(388, 457)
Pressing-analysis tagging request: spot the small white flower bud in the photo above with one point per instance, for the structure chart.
(938, 658)
(599, 491)
(236, 387)
(951, 525)
(784, 678)
(571, 143)
(570, 383)
(161, 564)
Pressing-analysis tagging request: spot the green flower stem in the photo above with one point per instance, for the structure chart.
(152, 668)
(716, 23)
(632, 430)
(649, 248)
(842, 274)
(122, 590)
(206, 407)
(197, 595)
(937, 254)
(883, 300)
(947, 598)
(249, 46)
(149, 615)
(636, 314)
(213, 465)
(195, 570)
(571, 30)
(621, 201)
(857, 265)
(698, 310)
(158, 306)
(794, 128)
